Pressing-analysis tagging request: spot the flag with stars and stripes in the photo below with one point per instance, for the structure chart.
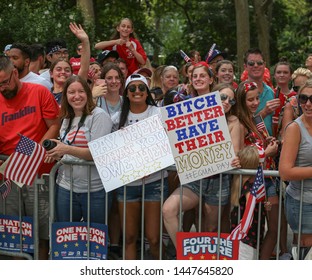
(5, 188)
(23, 164)
(257, 194)
(261, 126)
(185, 56)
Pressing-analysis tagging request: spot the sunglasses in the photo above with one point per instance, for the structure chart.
(252, 63)
(303, 99)
(224, 97)
(295, 88)
(141, 87)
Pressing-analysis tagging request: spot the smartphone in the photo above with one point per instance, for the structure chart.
(99, 82)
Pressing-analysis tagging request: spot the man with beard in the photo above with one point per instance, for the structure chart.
(20, 55)
(31, 110)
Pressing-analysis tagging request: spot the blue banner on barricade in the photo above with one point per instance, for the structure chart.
(70, 241)
(10, 234)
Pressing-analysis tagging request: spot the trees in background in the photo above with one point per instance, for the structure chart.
(278, 28)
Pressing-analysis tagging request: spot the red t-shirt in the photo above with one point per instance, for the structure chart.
(127, 55)
(25, 114)
(283, 99)
(75, 63)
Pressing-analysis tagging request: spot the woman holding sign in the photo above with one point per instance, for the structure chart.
(138, 104)
(82, 123)
(202, 82)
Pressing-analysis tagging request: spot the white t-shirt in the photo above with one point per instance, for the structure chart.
(133, 118)
(33, 78)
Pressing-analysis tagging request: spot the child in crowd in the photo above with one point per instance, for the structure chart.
(125, 42)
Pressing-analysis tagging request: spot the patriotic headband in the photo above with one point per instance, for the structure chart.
(250, 86)
(55, 49)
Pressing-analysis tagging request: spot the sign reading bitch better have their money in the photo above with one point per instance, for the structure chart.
(131, 153)
(199, 137)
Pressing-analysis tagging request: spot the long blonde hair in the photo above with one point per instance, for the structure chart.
(249, 159)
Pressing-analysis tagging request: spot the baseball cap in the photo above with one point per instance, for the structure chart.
(145, 70)
(7, 47)
(214, 54)
(105, 54)
(136, 77)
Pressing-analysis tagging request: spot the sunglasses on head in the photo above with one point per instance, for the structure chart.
(224, 97)
(252, 63)
(303, 99)
(141, 87)
(295, 88)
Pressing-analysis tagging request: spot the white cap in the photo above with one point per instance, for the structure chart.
(136, 77)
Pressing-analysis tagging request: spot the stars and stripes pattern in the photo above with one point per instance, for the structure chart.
(257, 194)
(210, 52)
(5, 188)
(185, 56)
(261, 126)
(77, 138)
(22, 166)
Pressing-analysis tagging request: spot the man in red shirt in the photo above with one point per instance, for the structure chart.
(31, 110)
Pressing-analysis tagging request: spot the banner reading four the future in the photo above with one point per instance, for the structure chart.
(199, 137)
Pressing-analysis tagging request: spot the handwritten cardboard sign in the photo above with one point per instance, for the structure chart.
(199, 137)
(131, 153)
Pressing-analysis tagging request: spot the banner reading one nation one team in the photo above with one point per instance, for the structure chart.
(199, 137)
(131, 153)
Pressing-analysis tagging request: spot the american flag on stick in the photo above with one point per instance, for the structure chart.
(257, 194)
(210, 52)
(261, 126)
(23, 164)
(5, 188)
(185, 56)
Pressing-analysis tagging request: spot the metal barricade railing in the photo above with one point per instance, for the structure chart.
(52, 178)
(20, 253)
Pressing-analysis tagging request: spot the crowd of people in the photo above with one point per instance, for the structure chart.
(75, 100)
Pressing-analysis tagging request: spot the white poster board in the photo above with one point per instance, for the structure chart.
(199, 137)
(131, 153)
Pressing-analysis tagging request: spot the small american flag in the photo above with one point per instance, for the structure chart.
(210, 52)
(257, 194)
(260, 125)
(22, 166)
(185, 56)
(5, 188)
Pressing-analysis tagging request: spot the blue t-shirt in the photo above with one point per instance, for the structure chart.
(265, 96)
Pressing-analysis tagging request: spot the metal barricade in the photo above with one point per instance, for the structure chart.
(52, 177)
(42, 181)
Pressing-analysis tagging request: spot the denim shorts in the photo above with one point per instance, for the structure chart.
(80, 206)
(152, 192)
(292, 207)
(270, 187)
(211, 189)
